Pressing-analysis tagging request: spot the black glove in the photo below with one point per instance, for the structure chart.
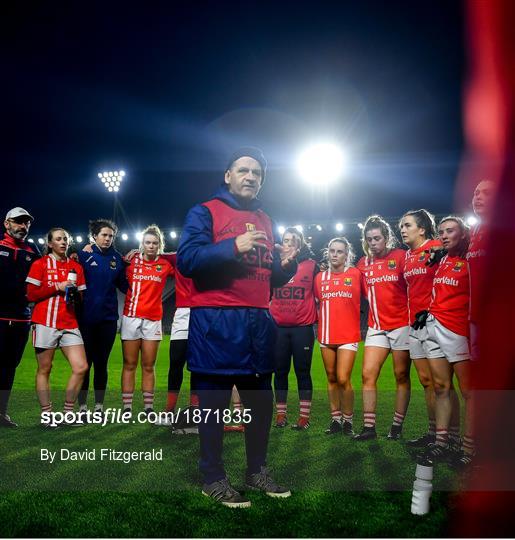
(420, 320)
(435, 256)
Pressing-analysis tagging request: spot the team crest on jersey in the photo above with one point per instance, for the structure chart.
(113, 264)
(250, 227)
(422, 257)
(392, 265)
(159, 268)
(458, 266)
(347, 281)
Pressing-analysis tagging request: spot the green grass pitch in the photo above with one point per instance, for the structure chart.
(340, 488)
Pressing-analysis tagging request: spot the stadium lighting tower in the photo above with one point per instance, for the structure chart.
(112, 180)
(321, 164)
(472, 220)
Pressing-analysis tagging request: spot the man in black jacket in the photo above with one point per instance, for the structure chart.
(16, 258)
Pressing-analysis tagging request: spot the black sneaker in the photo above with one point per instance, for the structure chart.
(367, 434)
(423, 440)
(183, 423)
(436, 452)
(222, 492)
(347, 429)
(463, 461)
(334, 427)
(262, 481)
(395, 433)
(5, 421)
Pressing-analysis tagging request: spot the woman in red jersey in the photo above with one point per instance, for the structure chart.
(338, 292)
(446, 338)
(141, 329)
(382, 270)
(53, 283)
(294, 311)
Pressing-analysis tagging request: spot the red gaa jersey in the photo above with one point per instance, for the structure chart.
(294, 304)
(450, 297)
(476, 259)
(386, 290)
(51, 308)
(147, 280)
(182, 284)
(419, 277)
(338, 296)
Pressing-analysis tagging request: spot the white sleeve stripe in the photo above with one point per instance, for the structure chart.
(33, 281)
(81, 287)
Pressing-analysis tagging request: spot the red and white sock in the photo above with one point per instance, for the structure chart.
(46, 408)
(281, 408)
(398, 419)
(305, 408)
(337, 415)
(442, 437)
(432, 428)
(127, 400)
(194, 401)
(148, 400)
(369, 419)
(68, 406)
(171, 401)
(348, 418)
(469, 446)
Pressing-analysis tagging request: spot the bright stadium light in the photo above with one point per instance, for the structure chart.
(125, 237)
(112, 180)
(472, 220)
(173, 235)
(78, 238)
(41, 241)
(339, 227)
(319, 228)
(281, 229)
(139, 236)
(321, 164)
(31, 240)
(300, 228)
(361, 226)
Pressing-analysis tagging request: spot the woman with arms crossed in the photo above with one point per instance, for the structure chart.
(52, 283)
(382, 269)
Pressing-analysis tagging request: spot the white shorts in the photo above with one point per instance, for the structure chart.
(136, 328)
(396, 340)
(180, 324)
(416, 348)
(346, 346)
(440, 342)
(44, 337)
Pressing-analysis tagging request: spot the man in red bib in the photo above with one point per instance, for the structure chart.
(227, 248)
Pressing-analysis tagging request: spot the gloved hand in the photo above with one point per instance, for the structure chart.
(420, 320)
(435, 256)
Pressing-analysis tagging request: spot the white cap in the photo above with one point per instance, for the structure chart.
(18, 212)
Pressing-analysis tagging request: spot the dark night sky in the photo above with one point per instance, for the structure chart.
(167, 90)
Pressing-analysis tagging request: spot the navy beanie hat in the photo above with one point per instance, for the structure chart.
(254, 153)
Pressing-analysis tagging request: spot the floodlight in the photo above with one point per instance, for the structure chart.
(125, 236)
(300, 228)
(116, 188)
(173, 234)
(122, 173)
(281, 229)
(139, 236)
(319, 227)
(78, 238)
(472, 220)
(361, 226)
(321, 164)
(41, 241)
(31, 241)
(100, 175)
(339, 227)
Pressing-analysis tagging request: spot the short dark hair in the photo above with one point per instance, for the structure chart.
(96, 225)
